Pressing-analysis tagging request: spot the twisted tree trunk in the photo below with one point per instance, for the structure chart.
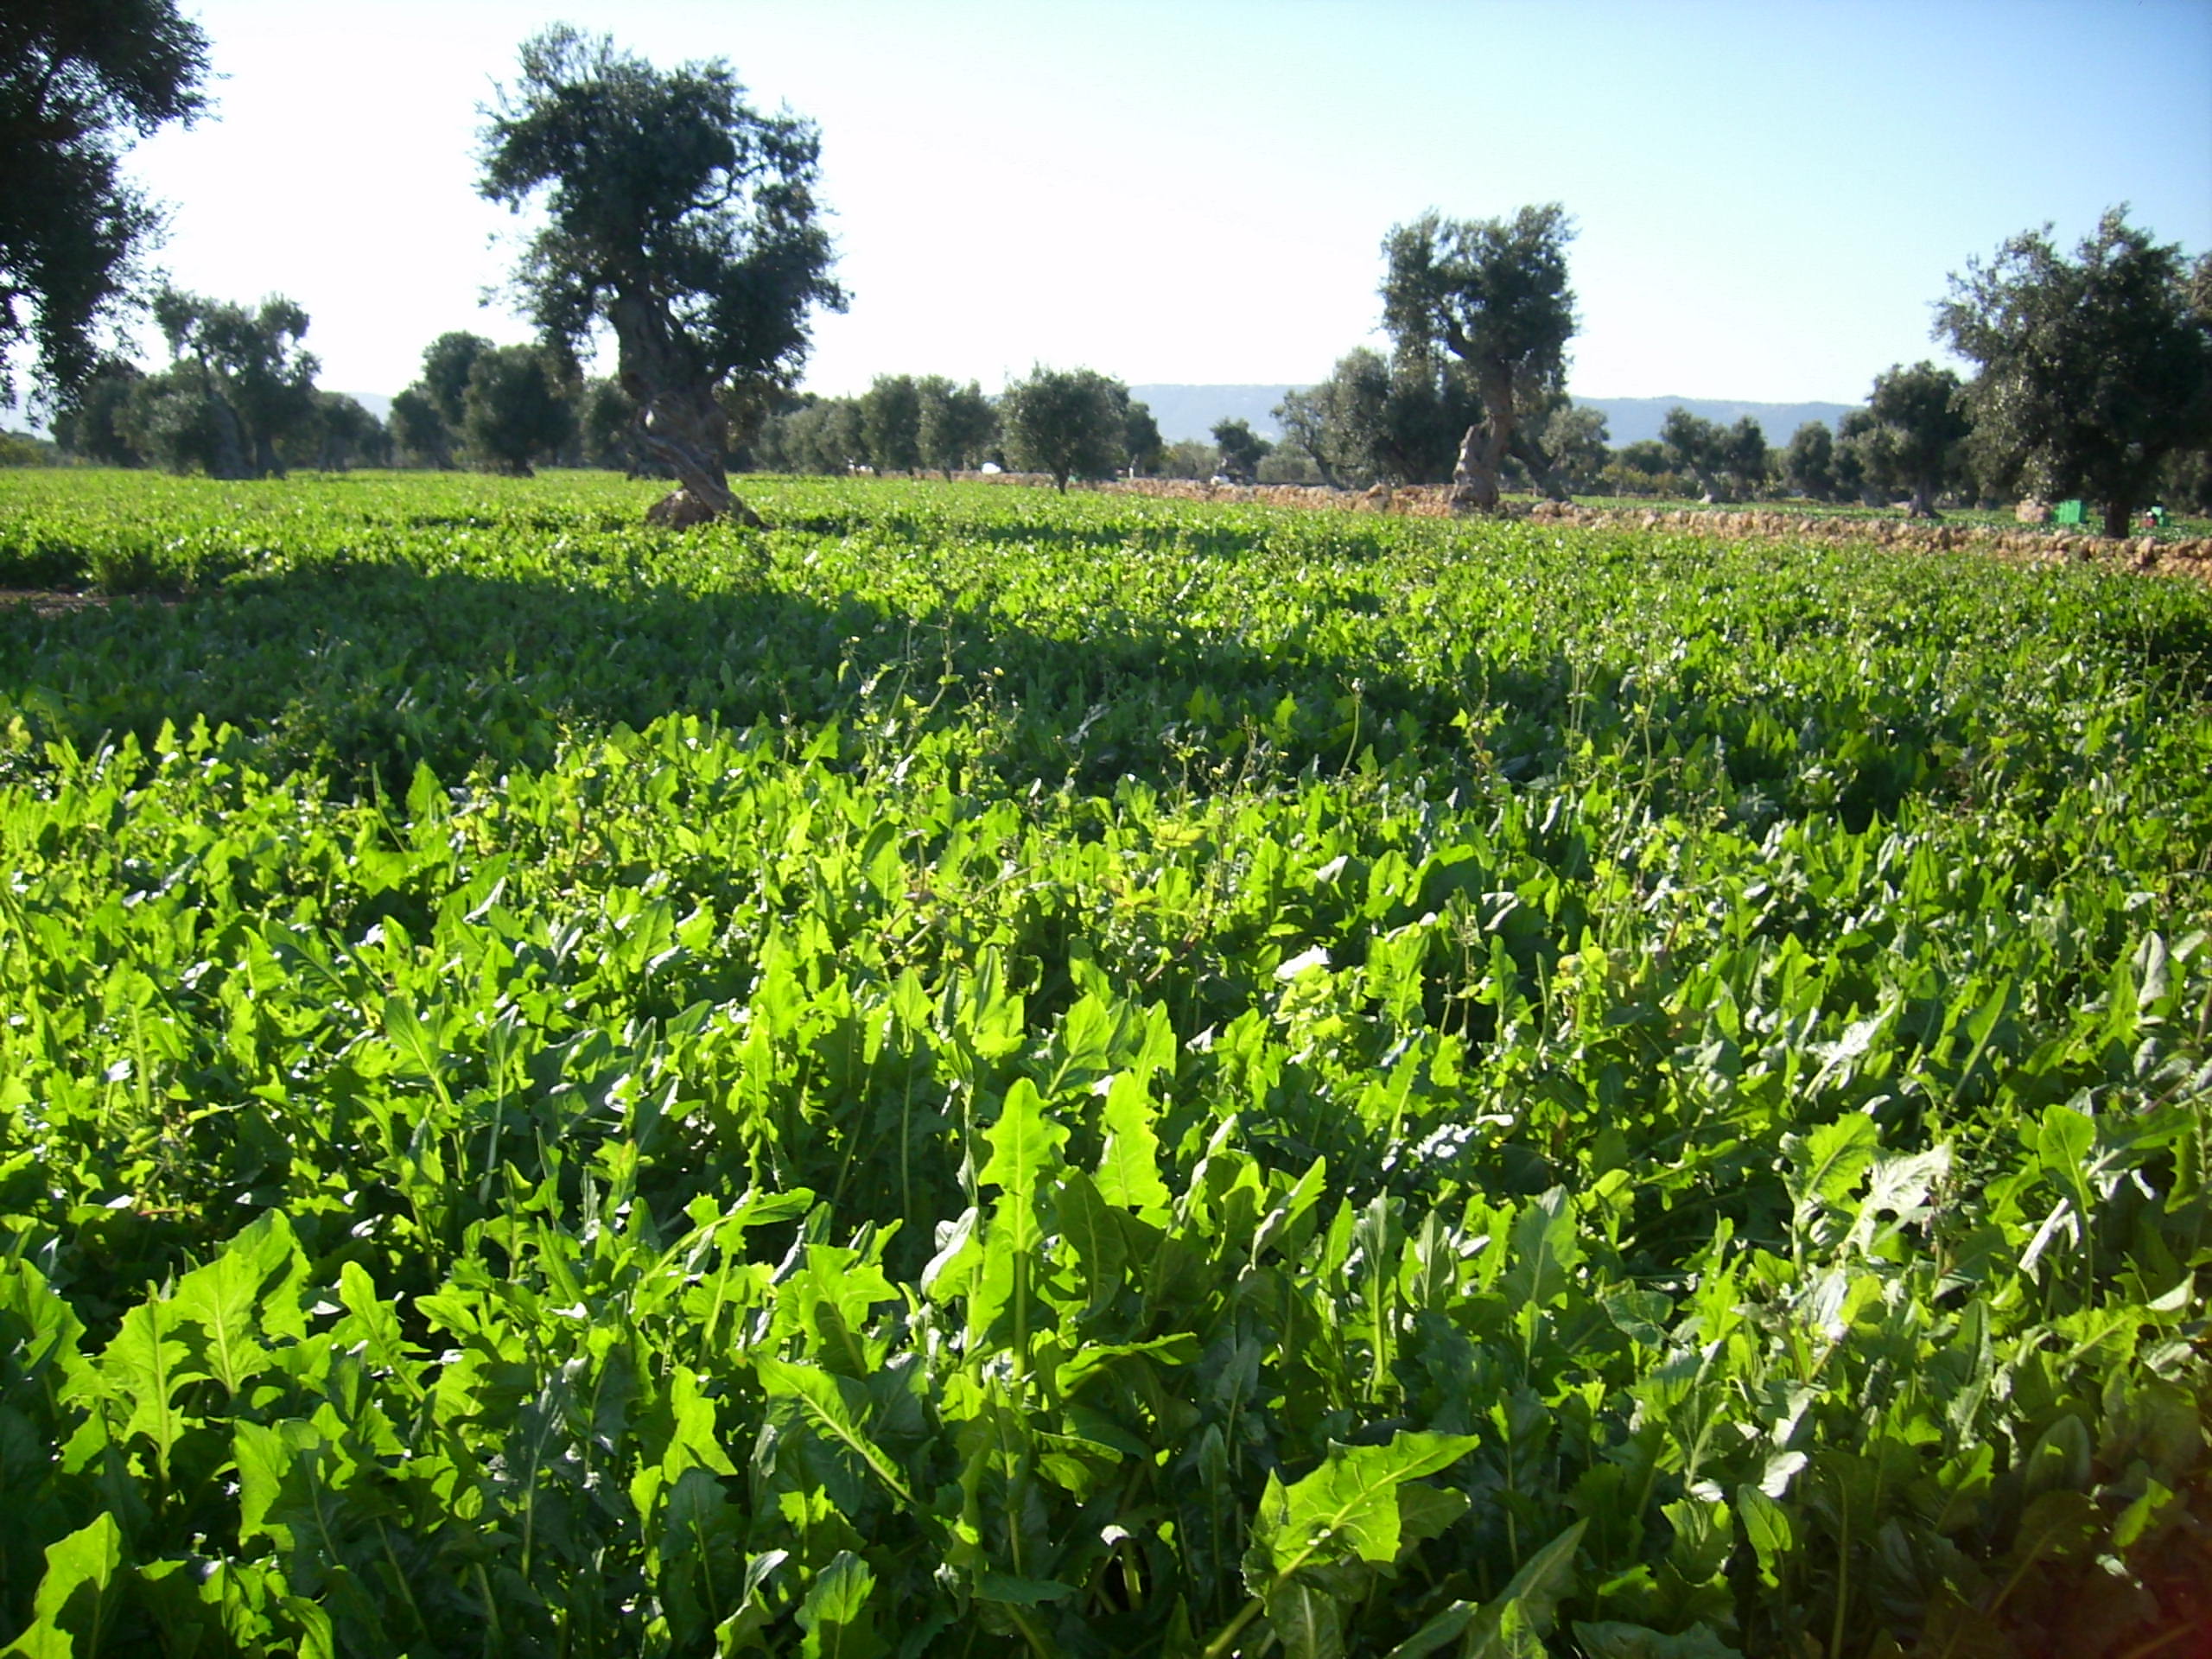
(678, 422)
(1474, 479)
(1482, 452)
(1531, 455)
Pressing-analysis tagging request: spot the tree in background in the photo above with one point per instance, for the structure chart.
(1338, 424)
(93, 425)
(1188, 458)
(1069, 422)
(420, 435)
(678, 216)
(180, 420)
(2093, 371)
(1862, 459)
(1809, 462)
(1572, 438)
(1241, 450)
(345, 435)
(1744, 459)
(816, 435)
(1493, 293)
(957, 424)
(2186, 481)
(1698, 447)
(604, 418)
(1922, 414)
(1642, 468)
(1142, 445)
(515, 411)
(238, 382)
(78, 79)
(891, 423)
(447, 362)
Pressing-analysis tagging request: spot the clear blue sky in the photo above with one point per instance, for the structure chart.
(1769, 197)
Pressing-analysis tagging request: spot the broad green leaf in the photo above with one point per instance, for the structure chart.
(1308, 1623)
(1544, 1251)
(76, 1594)
(696, 1437)
(1427, 1512)
(1129, 1165)
(1092, 1229)
(146, 1363)
(1350, 1504)
(1025, 1144)
(417, 1047)
(835, 1405)
(1898, 1187)
(1825, 1167)
(222, 1300)
(836, 1615)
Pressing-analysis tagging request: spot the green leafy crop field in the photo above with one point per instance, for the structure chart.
(984, 1074)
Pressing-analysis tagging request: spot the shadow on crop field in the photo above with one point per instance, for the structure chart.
(1218, 540)
(364, 669)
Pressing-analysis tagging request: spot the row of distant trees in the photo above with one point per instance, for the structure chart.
(2091, 373)
(238, 400)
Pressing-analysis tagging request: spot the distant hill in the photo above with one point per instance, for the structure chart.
(1189, 412)
(375, 402)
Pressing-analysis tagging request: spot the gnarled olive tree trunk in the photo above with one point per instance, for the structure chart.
(1482, 451)
(1474, 479)
(679, 424)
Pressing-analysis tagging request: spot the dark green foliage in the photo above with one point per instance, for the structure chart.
(605, 414)
(1573, 437)
(1918, 441)
(447, 362)
(1142, 445)
(95, 426)
(891, 423)
(515, 410)
(2093, 370)
(78, 79)
(1697, 447)
(419, 433)
(1067, 423)
(677, 216)
(1241, 449)
(990, 1074)
(1808, 464)
(345, 434)
(665, 189)
(239, 385)
(1492, 294)
(958, 425)
(1373, 420)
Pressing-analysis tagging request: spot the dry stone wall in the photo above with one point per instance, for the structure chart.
(2190, 556)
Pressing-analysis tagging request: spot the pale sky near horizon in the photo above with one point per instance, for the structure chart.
(1769, 197)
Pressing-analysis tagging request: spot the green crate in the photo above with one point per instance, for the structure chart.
(2068, 512)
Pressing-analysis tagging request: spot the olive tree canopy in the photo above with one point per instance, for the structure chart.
(1069, 423)
(77, 78)
(2094, 368)
(1922, 411)
(1493, 293)
(678, 216)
